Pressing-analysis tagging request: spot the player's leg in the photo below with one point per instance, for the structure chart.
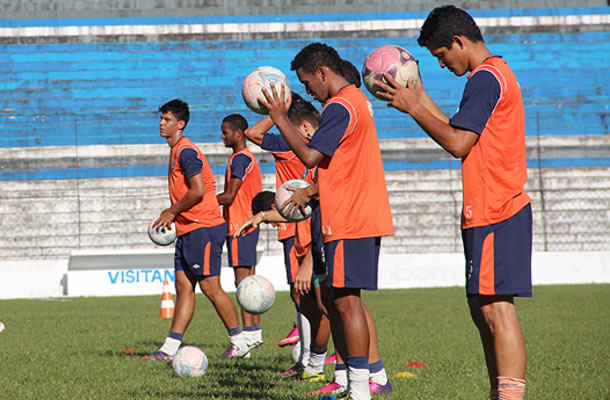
(185, 304)
(212, 289)
(292, 264)
(498, 268)
(320, 333)
(242, 257)
(378, 383)
(488, 344)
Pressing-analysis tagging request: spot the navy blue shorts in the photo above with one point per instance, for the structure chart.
(241, 251)
(290, 260)
(499, 257)
(353, 263)
(198, 253)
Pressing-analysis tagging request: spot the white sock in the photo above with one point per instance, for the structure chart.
(170, 346)
(316, 362)
(240, 340)
(304, 338)
(341, 377)
(379, 377)
(359, 383)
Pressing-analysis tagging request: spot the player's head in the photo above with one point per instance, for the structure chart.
(303, 115)
(451, 34)
(351, 73)
(233, 128)
(443, 23)
(316, 65)
(174, 118)
(263, 201)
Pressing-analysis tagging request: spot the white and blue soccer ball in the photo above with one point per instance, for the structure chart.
(190, 361)
(283, 194)
(255, 294)
(162, 236)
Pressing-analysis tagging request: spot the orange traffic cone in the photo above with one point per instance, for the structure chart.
(167, 302)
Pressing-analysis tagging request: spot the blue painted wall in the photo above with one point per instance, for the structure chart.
(108, 93)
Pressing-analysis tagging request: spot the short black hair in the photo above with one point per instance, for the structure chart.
(179, 108)
(316, 55)
(263, 201)
(236, 121)
(351, 73)
(443, 23)
(302, 110)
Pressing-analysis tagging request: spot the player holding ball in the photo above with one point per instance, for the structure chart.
(488, 134)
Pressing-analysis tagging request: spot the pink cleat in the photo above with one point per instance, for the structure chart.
(331, 360)
(331, 388)
(380, 389)
(291, 338)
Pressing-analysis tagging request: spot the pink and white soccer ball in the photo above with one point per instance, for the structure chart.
(190, 361)
(162, 236)
(2, 327)
(283, 193)
(255, 294)
(262, 77)
(394, 60)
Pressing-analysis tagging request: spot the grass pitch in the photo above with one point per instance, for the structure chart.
(70, 348)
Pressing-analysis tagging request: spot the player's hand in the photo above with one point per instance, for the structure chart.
(165, 220)
(299, 200)
(274, 102)
(252, 222)
(302, 280)
(401, 98)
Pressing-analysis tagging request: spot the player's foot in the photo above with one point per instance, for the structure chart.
(292, 371)
(331, 388)
(160, 356)
(380, 389)
(291, 338)
(306, 376)
(331, 360)
(254, 339)
(235, 351)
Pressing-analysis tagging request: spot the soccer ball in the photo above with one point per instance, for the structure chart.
(394, 60)
(255, 294)
(163, 236)
(2, 327)
(261, 77)
(284, 194)
(190, 361)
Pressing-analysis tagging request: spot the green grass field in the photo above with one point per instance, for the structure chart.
(70, 348)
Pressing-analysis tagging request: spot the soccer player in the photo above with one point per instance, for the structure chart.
(354, 203)
(242, 182)
(201, 234)
(488, 134)
(287, 167)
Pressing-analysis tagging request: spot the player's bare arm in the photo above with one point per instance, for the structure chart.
(278, 111)
(302, 279)
(192, 197)
(270, 216)
(457, 142)
(256, 132)
(226, 198)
